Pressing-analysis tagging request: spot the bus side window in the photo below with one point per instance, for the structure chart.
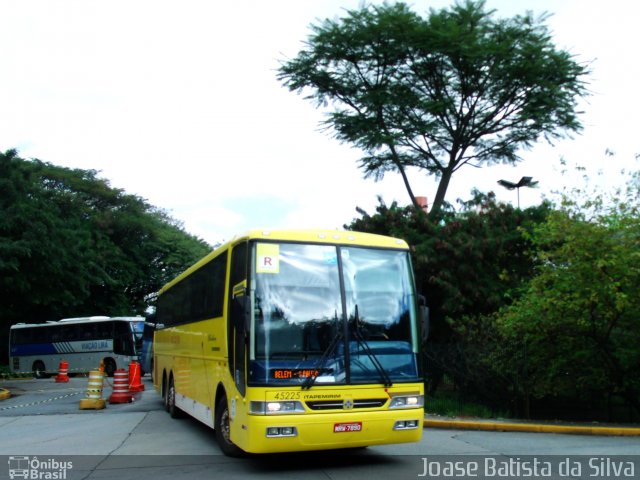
(122, 339)
(40, 335)
(104, 331)
(56, 334)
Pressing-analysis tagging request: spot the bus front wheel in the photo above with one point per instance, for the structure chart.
(173, 410)
(164, 390)
(223, 430)
(109, 367)
(38, 369)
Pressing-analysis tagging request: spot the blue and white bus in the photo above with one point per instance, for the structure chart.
(83, 342)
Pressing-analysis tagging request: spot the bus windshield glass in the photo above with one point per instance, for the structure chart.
(138, 332)
(338, 314)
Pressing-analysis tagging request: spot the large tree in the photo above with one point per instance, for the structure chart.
(71, 245)
(468, 266)
(458, 87)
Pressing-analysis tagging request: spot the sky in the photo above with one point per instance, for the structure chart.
(178, 102)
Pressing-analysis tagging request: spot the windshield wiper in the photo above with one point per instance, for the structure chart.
(386, 380)
(311, 379)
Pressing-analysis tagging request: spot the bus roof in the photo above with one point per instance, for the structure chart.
(333, 237)
(77, 320)
(319, 236)
(84, 319)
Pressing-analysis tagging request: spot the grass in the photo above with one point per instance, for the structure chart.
(5, 373)
(449, 404)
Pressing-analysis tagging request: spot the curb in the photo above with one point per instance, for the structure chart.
(4, 394)
(530, 427)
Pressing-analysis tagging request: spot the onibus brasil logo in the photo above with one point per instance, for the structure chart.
(33, 468)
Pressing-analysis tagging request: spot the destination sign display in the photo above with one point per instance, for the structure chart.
(297, 373)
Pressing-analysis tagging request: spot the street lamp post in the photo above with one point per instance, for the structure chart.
(524, 182)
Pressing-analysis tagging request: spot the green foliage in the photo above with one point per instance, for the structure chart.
(579, 316)
(450, 404)
(6, 373)
(469, 265)
(71, 245)
(534, 307)
(472, 262)
(459, 86)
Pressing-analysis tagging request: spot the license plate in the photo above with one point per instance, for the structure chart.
(347, 427)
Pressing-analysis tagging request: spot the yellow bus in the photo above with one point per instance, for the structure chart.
(295, 340)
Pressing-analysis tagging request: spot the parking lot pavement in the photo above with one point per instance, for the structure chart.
(42, 397)
(46, 397)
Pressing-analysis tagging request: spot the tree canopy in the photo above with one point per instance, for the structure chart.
(71, 245)
(457, 87)
(470, 264)
(579, 315)
(533, 310)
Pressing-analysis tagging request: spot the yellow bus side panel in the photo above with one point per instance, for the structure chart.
(194, 353)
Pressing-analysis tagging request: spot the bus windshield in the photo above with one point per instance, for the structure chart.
(138, 333)
(338, 314)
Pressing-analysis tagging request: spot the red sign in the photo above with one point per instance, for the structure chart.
(347, 427)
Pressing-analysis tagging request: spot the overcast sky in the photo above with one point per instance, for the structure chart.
(178, 102)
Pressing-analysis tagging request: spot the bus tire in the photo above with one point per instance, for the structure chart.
(222, 428)
(38, 369)
(172, 408)
(109, 367)
(164, 390)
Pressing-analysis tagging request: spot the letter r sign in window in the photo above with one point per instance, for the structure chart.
(268, 258)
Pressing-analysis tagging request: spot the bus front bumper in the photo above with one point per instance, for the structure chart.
(286, 433)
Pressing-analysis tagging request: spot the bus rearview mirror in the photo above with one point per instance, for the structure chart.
(242, 313)
(424, 320)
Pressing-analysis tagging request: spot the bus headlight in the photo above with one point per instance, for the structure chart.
(406, 425)
(407, 401)
(275, 408)
(282, 431)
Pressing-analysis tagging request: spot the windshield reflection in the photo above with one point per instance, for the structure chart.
(298, 326)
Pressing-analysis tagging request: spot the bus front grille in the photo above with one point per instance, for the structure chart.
(346, 404)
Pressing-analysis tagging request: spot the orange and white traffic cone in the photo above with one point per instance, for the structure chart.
(135, 380)
(63, 372)
(120, 393)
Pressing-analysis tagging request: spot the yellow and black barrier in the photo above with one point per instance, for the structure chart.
(94, 400)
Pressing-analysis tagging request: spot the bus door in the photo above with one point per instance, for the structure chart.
(238, 327)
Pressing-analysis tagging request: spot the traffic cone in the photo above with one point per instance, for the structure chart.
(101, 367)
(63, 372)
(120, 393)
(135, 381)
(94, 400)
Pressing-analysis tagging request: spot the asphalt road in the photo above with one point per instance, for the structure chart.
(139, 441)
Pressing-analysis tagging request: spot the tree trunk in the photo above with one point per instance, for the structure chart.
(438, 201)
(405, 179)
